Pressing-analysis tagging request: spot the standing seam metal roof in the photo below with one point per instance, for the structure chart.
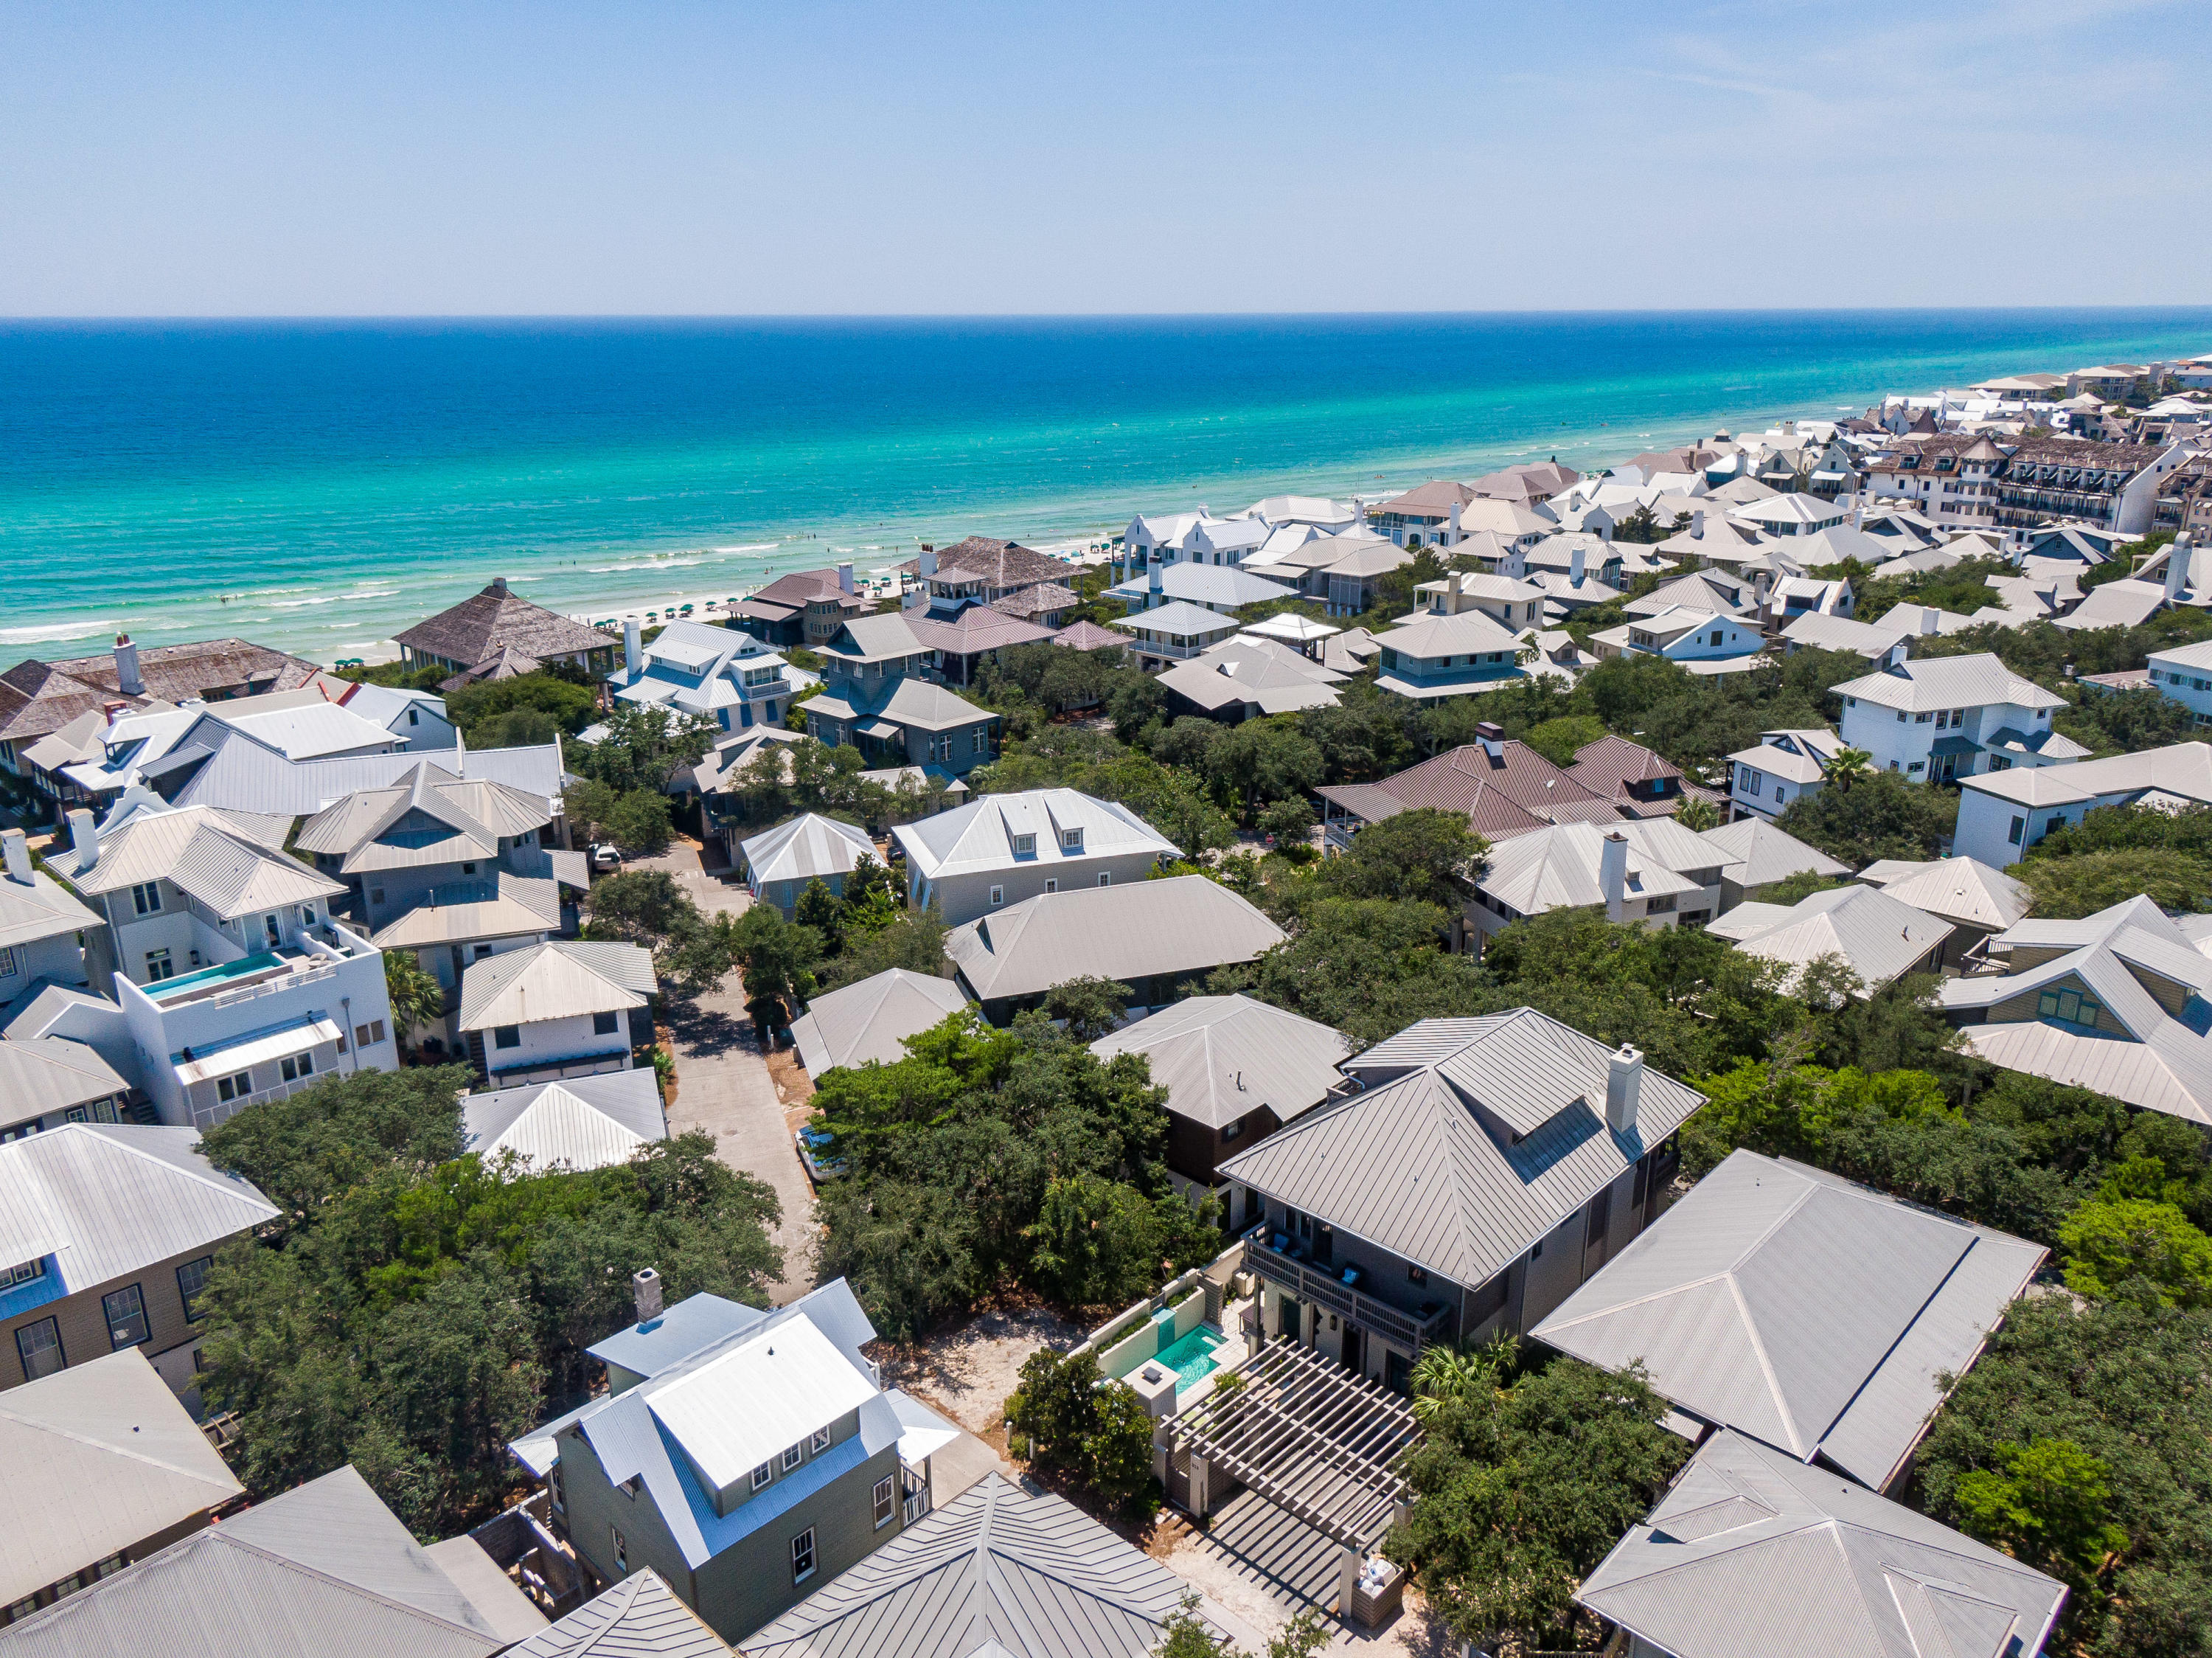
(1134, 930)
(1222, 1058)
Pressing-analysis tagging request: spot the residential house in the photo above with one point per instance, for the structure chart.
(234, 981)
(418, 718)
(81, 1019)
(117, 1226)
(1712, 537)
(747, 1457)
(1791, 515)
(2124, 603)
(38, 698)
(1174, 633)
(1435, 656)
(1699, 641)
(1307, 512)
(805, 608)
(983, 569)
(1951, 716)
(1878, 937)
(1155, 937)
(1758, 855)
(1426, 514)
(1156, 538)
(1341, 571)
(1751, 1306)
(1513, 523)
(639, 1615)
(1225, 543)
(2119, 1002)
(1752, 1550)
(1883, 642)
(47, 1081)
(1246, 675)
(1651, 871)
(1235, 1071)
(1089, 636)
(707, 672)
(873, 695)
(1002, 849)
(1503, 788)
(2183, 673)
(586, 1122)
(1224, 588)
(1720, 590)
(961, 639)
(1785, 764)
(552, 1011)
(782, 862)
(1564, 594)
(104, 1466)
(1575, 555)
(2002, 814)
(1529, 486)
(1978, 902)
(1046, 604)
(324, 1567)
(1483, 1170)
(1512, 603)
(299, 725)
(41, 928)
(868, 1023)
(488, 623)
(93, 759)
(1809, 595)
(1638, 782)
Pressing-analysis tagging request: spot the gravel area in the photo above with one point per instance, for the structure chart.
(967, 1371)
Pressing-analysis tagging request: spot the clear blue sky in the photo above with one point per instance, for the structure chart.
(810, 156)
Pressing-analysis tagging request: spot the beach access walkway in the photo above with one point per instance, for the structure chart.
(723, 1087)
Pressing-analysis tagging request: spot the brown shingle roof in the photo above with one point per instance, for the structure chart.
(977, 627)
(1517, 791)
(793, 591)
(39, 699)
(1001, 564)
(1607, 767)
(1043, 599)
(487, 623)
(1438, 496)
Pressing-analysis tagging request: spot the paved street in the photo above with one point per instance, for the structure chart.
(723, 1086)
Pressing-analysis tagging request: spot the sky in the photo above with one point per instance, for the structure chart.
(841, 156)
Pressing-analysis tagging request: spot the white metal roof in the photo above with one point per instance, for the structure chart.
(2182, 769)
(587, 1122)
(41, 1073)
(206, 853)
(758, 1397)
(980, 835)
(1557, 867)
(1957, 889)
(1222, 1058)
(1177, 619)
(1755, 853)
(1132, 931)
(1941, 682)
(40, 908)
(807, 847)
(1877, 936)
(561, 979)
(872, 1020)
(256, 1048)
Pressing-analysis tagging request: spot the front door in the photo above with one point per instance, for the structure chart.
(1355, 1349)
(1291, 1326)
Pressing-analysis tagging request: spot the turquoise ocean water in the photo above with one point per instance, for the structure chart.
(318, 485)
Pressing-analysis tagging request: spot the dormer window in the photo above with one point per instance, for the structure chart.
(792, 1457)
(1024, 845)
(1071, 840)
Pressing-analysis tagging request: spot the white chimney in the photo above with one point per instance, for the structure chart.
(1152, 582)
(1454, 525)
(1697, 523)
(1859, 517)
(1574, 565)
(84, 839)
(1624, 1090)
(1612, 874)
(17, 846)
(1928, 615)
(2177, 568)
(632, 646)
(126, 666)
(644, 1288)
(845, 576)
(929, 561)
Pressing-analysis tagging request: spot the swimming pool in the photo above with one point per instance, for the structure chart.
(1191, 1357)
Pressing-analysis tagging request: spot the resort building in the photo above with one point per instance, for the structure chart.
(551, 1012)
(1485, 1168)
(1001, 849)
(716, 673)
(1750, 1308)
(1949, 477)
(2109, 485)
(1952, 717)
(782, 862)
(471, 637)
(120, 1225)
(868, 1023)
(875, 697)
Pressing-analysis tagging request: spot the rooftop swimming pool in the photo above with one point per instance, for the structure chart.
(213, 977)
(1191, 1357)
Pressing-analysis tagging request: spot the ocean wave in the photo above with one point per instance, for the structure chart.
(649, 563)
(325, 599)
(54, 631)
(749, 547)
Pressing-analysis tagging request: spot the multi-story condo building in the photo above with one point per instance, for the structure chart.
(1951, 716)
(1951, 477)
(234, 981)
(717, 672)
(2114, 485)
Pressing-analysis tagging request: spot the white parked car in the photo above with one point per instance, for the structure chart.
(605, 855)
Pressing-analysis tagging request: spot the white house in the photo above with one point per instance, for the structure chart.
(1699, 640)
(1513, 604)
(1222, 589)
(1784, 764)
(693, 668)
(1647, 871)
(1003, 848)
(2004, 814)
(1224, 543)
(1791, 515)
(1952, 717)
(40, 925)
(782, 862)
(565, 1008)
(1175, 632)
(2184, 675)
(1443, 655)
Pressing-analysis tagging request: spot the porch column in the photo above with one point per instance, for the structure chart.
(1347, 1581)
(1200, 1497)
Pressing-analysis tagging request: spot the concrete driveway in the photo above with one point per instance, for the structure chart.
(723, 1083)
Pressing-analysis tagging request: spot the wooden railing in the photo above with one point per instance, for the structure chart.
(1324, 1286)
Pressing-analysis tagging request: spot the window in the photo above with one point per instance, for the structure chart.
(979, 741)
(191, 1278)
(376, 895)
(792, 1457)
(1417, 1274)
(998, 896)
(1023, 845)
(604, 1024)
(802, 1556)
(27, 1272)
(622, 1550)
(1231, 1131)
(819, 1442)
(159, 967)
(39, 1346)
(2069, 1005)
(369, 1034)
(146, 896)
(414, 717)
(507, 1036)
(1105, 877)
(883, 1500)
(237, 1087)
(1072, 839)
(10, 963)
(293, 1067)
(126, 1316)
(555, 1495)
(763, 1474)
(1051, 884)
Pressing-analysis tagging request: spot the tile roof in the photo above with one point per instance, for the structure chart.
(1130, 931)
(495, 620)
(872, 1020)
(1810, 1313)
(561, 979)
(1425, 1163)
(1222, 1058)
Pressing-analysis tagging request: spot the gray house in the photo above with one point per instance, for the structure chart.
(873, 695)
(748, 1457)
(1002, 849)
(1487, 1168)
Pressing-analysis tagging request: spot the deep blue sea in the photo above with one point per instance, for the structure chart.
(318, 485)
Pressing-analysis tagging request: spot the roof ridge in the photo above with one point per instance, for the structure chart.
(229, 1535)
(218, 1182)
(1765, 1363)
(635, 1586)
(124, 1451)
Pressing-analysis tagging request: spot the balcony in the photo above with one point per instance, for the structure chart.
(1324, 1286)
(206, 1117)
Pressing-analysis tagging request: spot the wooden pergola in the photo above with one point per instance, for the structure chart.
(1308, 1436)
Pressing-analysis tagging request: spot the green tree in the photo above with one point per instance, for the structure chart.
(914, 939)
(2107, 1243)
(2067, 889)
(824, 911)
(691, 954)
(1072, 1420)
(777, 958)
(1419, 856)
(1089, 1006)
(416, 998)
(1290, 823)
(1100, 1243)
(1263, 760)
(2047, 1503)
(1695, 814)
(1878, 816)
(495, 713)
(1559, 741)
(642, 746)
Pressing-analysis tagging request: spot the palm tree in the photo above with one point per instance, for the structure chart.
(416, 997)
(1461, 1372)
(1849, 764)
(1698, 814)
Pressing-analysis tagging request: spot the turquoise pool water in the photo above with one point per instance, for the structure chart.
(1191, 1358)
(206, 976)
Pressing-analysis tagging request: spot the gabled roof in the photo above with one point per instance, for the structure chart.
(1791, 1305)
(1129, 931)
(2124, 603)
(639, 1618)
(586, 1122)
(1611, 766)
(808, 846)
(366, 828)
(1505, 788)
(502, 905)
(919, 704)
(495, 620)
(1557, 867)
(1701, 589)
(1957, 889)
(1411, 1166)
(1757, 853)
(218, 858)
(1877, 936)
(324, 1568)
(1940, 682)
(980, 835)
(1204, 584)
(107, 1199)
(37, 697)
(1222, 1058)
(996, 1573)
(94, 1459)
(872, 1020)
(561, 979)
(242, 775)
(48, 1073)
(1753, 1553)
(40, 908)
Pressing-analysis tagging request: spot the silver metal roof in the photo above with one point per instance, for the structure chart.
(47, 1073)
(1412, 1165)
(1129, 931)
(587, 1122)
(560, 978)
(995, 1569)
(1751, 1555)
(1222, 1058)
(809, 845)
(1810, 1313)
(202, 852)
(39, 909)
(638, 1618)
(1939, 682)
(1957, 889)
(872, 1020)
(1755, 853)
(242, 774)
(1876, 936)
(980, 835)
